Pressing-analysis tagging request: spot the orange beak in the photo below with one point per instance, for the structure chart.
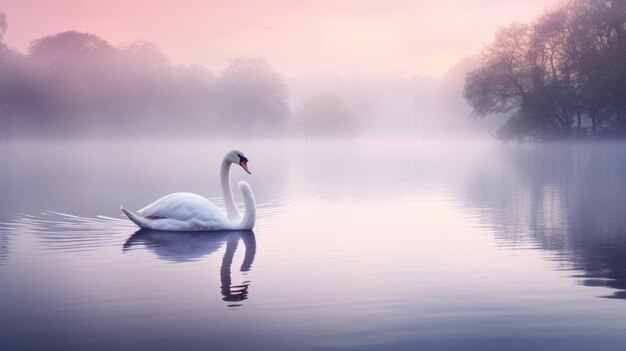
(244, 165)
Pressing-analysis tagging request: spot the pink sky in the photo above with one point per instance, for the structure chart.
(353, 37)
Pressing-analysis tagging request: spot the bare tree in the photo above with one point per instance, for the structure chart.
(504, 78)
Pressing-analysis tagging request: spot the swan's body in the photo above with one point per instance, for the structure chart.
(191, 212)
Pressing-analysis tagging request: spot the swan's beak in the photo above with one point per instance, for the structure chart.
(244, 165)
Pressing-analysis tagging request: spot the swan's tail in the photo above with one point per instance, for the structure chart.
(138, 220)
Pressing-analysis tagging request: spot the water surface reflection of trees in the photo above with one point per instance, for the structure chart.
(565, 198)
(4, 248)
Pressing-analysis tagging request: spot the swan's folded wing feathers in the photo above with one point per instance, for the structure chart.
(181, 206)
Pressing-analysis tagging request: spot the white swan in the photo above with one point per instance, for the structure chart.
(191, 212)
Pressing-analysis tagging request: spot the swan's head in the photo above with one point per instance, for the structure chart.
(237, 157)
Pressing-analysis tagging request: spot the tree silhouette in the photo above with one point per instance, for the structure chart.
(74, 82)
(3, 26)
(568, 66)
(250, 94)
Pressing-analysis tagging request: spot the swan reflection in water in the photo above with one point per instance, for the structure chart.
(192, 246)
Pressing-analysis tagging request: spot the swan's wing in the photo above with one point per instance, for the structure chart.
(182, 207)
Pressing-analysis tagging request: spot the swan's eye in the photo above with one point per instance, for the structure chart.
(242, 159)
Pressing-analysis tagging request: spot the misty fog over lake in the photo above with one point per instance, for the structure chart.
(407, 175)
(366, 244)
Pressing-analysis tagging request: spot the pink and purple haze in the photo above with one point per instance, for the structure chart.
(403, 38)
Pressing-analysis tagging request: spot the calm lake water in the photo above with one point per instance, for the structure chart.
(364, 245)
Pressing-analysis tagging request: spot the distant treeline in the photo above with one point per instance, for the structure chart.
(562, 76)
(73, 83)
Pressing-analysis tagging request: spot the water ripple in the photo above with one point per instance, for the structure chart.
(62, 232)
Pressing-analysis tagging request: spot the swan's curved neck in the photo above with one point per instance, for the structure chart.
(227, 192)
(249, 217)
